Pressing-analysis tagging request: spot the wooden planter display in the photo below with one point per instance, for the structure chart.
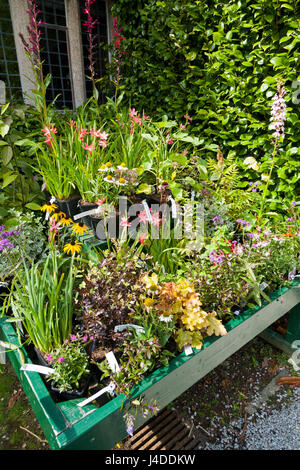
(68, 426)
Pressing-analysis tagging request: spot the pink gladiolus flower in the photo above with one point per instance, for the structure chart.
(142, 238)
(89, 148)
(125, 222)
(82, 134)
(54, 226)
(100, 202)
(60, 359)
(143, 217)
(48, 133)
(103, 143)
(133, 112)
(156, 219)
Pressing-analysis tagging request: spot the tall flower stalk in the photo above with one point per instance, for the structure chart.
(118, 54)
(32, 48)
(90, 24)
(277, 122)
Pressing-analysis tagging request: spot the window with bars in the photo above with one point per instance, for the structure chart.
(99, 12)
(9, 70)
(55, 52)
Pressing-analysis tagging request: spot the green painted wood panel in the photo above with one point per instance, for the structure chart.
(101, 428)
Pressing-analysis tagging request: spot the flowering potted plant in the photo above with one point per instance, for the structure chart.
(70, 362)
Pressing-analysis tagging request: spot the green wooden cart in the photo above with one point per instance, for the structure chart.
(68, 426)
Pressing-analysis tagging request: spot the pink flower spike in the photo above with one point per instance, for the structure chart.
(89, 148)
(143, 218)
(142, 238)
(100, 202)
(82, 134)
(156, 219)
(125, 222)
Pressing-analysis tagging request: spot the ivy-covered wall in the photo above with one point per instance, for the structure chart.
(219, 62)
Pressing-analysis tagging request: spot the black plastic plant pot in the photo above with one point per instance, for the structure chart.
(72, 394)
(69, 206)
(66, 394)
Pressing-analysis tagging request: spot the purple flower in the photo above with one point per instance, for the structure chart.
(291, 275)
(5, 243)
(73, 337)
(49, 358)
(129, 429)
(243, 222)
(60, 359)
(84, 339)
(294, 203)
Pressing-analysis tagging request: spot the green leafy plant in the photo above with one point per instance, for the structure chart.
(42, 298)
(28, 242)
(70, 362)
(20, 187)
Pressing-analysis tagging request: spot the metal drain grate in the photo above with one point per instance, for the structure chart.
(163, 432)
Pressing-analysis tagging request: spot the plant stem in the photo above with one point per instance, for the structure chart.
(267, 184)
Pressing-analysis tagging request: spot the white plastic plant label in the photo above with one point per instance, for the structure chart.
(173, 206)
(188, 350)
(36, 368)
(263, 286)
(52, 201)
(147, 210)
(112, 362)
(129, 325)
(109, 389)
(2, 355)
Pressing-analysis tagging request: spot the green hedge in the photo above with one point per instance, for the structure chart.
(219, 62)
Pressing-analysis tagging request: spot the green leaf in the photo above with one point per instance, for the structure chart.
(6, 154)
(33, 206)
(144, 188)
(9, 179)
(4, 129)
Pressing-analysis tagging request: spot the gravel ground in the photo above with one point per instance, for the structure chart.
(238, 406)
(267, 429)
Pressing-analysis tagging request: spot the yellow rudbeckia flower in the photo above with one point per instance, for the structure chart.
(80, 228)
(65, 222)
(48, 207)
(73, 247)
